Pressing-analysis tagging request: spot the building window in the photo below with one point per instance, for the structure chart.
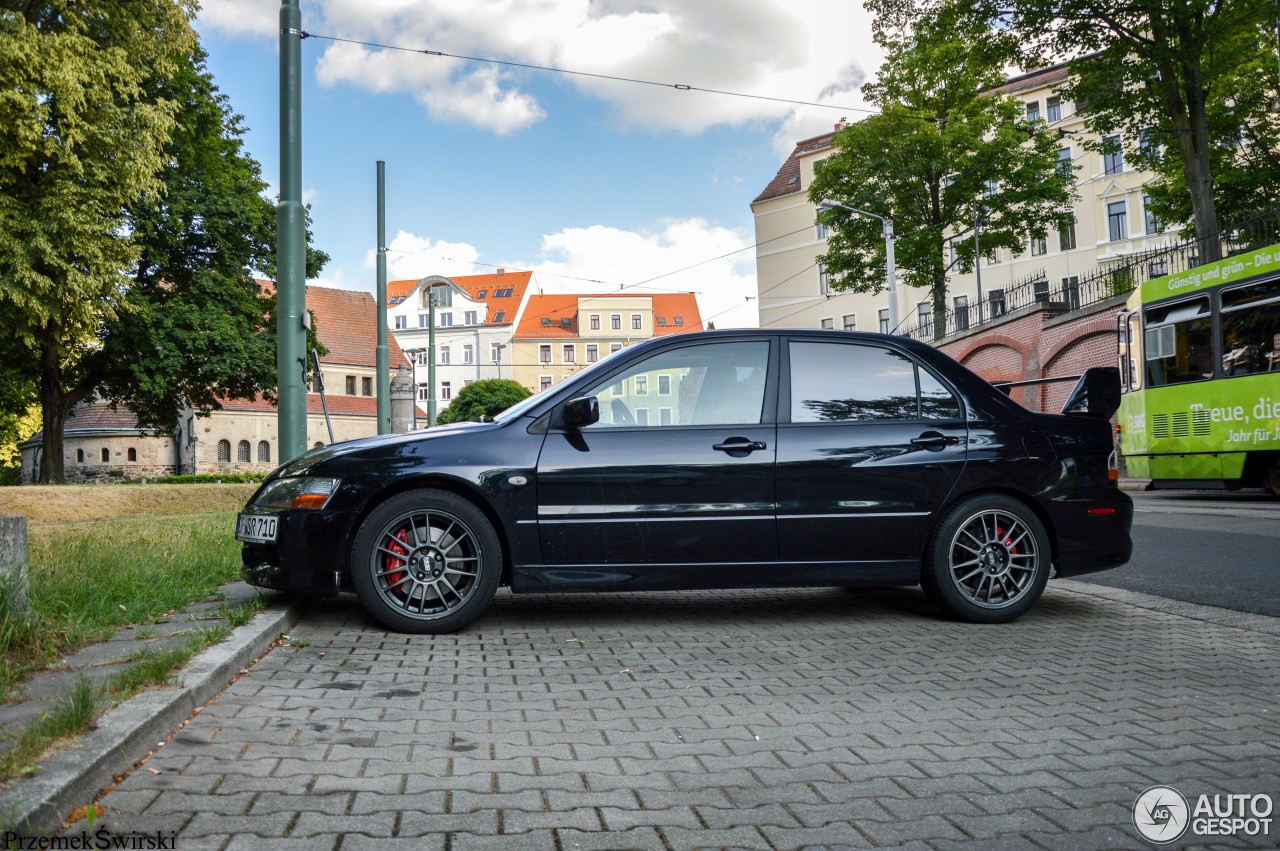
(1065, 165)
(962, 312)
(1117, 228)
(1067, 236)
(850, 322)
(924, 311)
(615, 321)
(224, 451)
(402, 322)
(495, 352)
(990, 188)
(106, 455)
(823, 232)
(824, 282)
(636, 322)
(133, 455)
(446, 353)
(595, 322)
(1033, 111)
(468, 353)
(1039, 245)
(242, 451)
(593, 353)
(1158, 268)
(424, 320)
(1153, 224)
(1071, 291)
(446, 320)
(568, 354)
(544, 382)
(615, 347)
(351, 388)
(664, 416)
(662, 321)
(1148, 147)
(996, 299)
(642, 385)
(366, 386)
(884, 321)
(482, 294)
(642, 416)
(264, 451)
(424, 393)
(664, 385)
(444, 296)
(827, 324)
(544, 353)
(499, 316)
(546, 322)
(1053, 108)
(1113, 157)
(446, 391)
(469, 317)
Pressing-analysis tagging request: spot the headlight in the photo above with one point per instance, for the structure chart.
(297, 492)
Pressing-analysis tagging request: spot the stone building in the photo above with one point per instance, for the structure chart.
(101, 445)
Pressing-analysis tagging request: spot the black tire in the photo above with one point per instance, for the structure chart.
(426, 562)
(988, 560)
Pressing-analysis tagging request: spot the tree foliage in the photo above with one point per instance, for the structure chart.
(1197, 78)
(938, 149)
(130, 219)
(481, 400)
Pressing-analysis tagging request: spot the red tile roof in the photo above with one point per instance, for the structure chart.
(347, 324)
(787, 180)
(474, 285)
(1036, 79)
(558, 307)
(339, 405)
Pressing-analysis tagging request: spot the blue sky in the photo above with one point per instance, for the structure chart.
(572, 177)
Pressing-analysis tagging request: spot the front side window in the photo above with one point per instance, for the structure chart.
(1178, 343)
(841, 382)
(709, 384)
(1251, 329)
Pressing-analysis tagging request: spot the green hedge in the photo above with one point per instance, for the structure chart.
(245, 478)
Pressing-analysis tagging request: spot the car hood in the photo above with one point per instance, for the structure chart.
(300, 465)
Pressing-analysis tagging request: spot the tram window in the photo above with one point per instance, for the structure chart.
(1178, 340)
(1251, 329)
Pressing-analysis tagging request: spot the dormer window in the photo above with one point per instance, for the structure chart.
(662, 320)
(482, 294)
(546, 321)
(565, 322)
(679, 320)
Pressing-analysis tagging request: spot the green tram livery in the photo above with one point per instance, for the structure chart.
(1200, 371)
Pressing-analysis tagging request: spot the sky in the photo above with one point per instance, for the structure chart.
(594, 184)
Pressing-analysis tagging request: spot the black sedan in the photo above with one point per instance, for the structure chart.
(719, 459)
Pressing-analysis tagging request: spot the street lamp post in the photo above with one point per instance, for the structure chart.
(890, 271)
(413, 367)
(978, 210)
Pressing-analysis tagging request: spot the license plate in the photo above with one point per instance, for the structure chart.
(256, 528)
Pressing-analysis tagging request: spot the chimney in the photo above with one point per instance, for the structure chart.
(501, 271)
(842, 123)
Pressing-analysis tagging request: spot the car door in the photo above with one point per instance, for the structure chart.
(677, 472)
(870, 443)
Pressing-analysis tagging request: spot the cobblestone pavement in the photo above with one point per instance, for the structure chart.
(753, 719)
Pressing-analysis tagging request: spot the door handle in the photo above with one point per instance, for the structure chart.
(933, 440)
(739, 444)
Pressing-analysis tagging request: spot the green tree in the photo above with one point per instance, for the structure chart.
(1195, 78)
(127, 247)
(942, 147)
(481, 400)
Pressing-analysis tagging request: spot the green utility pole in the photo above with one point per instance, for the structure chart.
(380, 358)
(431, 355)
(291, 277)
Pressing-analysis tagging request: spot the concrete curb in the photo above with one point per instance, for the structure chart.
(1166, 605)
(72, 776)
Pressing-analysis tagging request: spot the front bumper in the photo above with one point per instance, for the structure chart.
(1088, 542)
(309, 556)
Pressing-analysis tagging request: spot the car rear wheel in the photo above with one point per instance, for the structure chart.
(988, 560)
(426, 561)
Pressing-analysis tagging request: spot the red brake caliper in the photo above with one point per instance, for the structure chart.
(392, 563)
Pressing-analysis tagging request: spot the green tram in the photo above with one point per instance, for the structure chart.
(1200, 373)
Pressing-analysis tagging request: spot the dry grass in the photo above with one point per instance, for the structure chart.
(44, 504)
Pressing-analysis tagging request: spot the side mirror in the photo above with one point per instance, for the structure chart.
(1096, 394)
(580, 413)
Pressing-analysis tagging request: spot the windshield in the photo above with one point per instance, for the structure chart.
(518, 410)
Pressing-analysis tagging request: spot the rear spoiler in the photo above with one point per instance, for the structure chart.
(1096, 394)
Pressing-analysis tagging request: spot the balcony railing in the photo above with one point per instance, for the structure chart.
(1104, 282)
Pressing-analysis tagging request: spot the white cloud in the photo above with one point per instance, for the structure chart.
(600, 259)
(809, 50)
(619, 258)
(413, 256)
(241, 17)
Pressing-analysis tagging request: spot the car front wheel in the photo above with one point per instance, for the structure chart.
(426, 561)
(988, 560)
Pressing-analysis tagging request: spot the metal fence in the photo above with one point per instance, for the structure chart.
(1078, 292)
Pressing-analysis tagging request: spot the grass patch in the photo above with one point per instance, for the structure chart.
(76, 503)
(73, 713)
(89, 579)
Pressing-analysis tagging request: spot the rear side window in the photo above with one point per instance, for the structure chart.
(842, 382)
